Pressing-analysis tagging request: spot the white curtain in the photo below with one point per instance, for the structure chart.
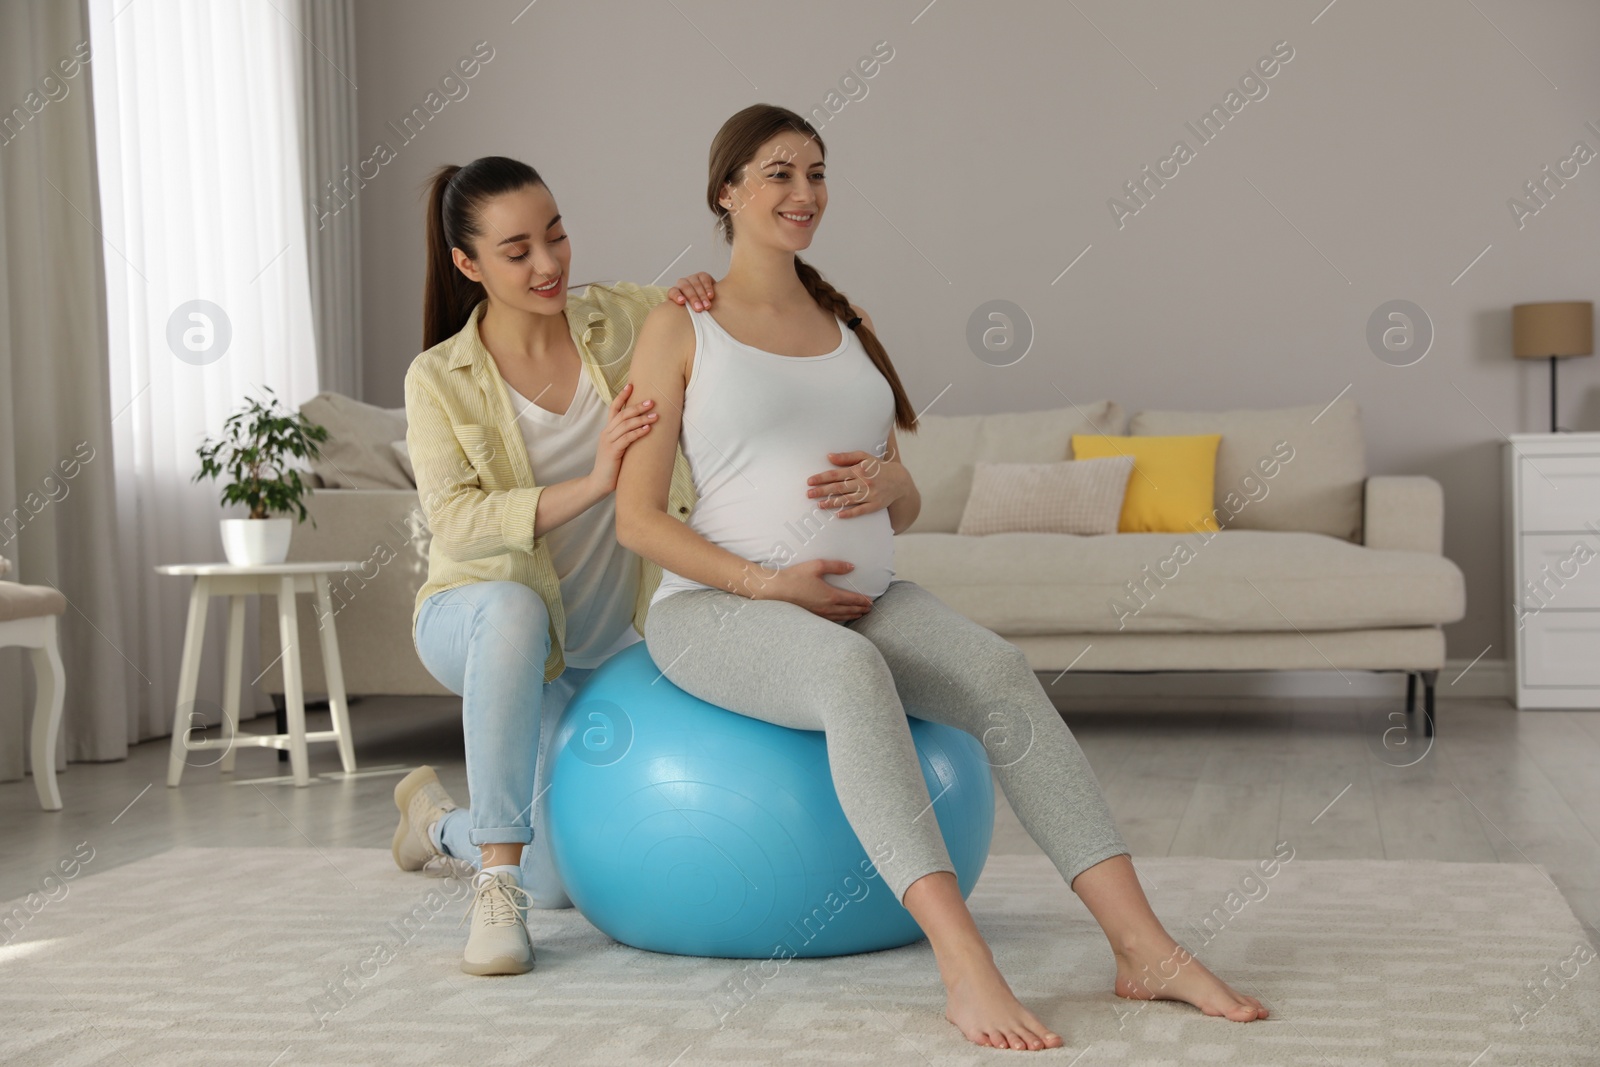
(329, 170)
(198, 129)
(57, 502)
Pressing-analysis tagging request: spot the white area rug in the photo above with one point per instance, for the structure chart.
(229, 956)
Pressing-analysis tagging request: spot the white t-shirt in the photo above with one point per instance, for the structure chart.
(599, 578)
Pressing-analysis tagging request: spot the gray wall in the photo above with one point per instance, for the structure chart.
(980, 163)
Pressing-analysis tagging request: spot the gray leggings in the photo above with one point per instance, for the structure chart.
(778, 662)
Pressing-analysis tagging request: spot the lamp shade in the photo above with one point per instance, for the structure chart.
(1555, 330)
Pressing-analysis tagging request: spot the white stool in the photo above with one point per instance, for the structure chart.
(283, 580)
(28, 618)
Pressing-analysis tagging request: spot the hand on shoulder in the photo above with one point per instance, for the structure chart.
(670, 318)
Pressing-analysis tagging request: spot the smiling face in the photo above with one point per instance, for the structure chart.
(522, 255)
(779, 196)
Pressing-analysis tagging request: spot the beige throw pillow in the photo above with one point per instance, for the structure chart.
(402, 452)
(940, 455)
(358, 452)
(1072, 497)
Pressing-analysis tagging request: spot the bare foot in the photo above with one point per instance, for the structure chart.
(1169, 972)
(983, 1008)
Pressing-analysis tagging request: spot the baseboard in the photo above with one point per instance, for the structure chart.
(1488, 679)
(1485, 679)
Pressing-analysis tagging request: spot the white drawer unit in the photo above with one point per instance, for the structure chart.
(1552, 485)
(1559, 650)
(1560, 571)
(1559, 492)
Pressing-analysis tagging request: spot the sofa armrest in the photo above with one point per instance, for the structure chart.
(1404, 513)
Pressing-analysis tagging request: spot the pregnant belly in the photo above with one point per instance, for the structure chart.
(864, 540)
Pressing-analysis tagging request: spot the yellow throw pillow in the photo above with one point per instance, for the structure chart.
(1172, 483)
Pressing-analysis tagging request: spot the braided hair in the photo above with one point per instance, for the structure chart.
(731, 151)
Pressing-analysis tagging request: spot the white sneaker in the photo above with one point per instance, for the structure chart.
(498, 943)
(422, 802)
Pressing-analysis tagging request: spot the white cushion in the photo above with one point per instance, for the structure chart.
(358, 452)
(941, 453)
(1318, 490)
(402, 452)
(1071, 497)
(1238, 581)
(29, 601)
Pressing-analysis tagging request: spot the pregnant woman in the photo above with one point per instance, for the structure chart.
(517, 423)
(778, 599)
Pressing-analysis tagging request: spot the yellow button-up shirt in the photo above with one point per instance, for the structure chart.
(477, 485)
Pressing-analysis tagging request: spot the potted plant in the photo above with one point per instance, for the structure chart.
(256, 442)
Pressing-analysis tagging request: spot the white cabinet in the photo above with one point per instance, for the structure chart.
(1552, 509)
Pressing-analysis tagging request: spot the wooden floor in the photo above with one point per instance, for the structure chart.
(1183, 777)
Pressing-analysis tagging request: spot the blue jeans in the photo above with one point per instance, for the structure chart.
(487, 642)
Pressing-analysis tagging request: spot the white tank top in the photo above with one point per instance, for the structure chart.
(756, 425)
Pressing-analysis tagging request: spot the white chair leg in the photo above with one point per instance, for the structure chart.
(333, 670)
(50, 686)
(293, 691)
(232, 681)
(188, 678)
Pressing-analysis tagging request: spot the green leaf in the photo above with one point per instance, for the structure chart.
(256, 442)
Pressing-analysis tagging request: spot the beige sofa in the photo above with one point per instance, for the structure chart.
(1317, 566)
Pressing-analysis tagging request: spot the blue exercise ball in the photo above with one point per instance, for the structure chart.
(678, 826)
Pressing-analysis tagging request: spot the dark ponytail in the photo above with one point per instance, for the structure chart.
(731, 150)
(456, 196)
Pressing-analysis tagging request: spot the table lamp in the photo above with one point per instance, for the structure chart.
(1552, 331)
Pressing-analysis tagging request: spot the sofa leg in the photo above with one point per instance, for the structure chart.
(1411, 693)
(280, 711)
(1428, 680)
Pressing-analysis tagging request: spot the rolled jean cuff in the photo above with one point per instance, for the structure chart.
(501, 835)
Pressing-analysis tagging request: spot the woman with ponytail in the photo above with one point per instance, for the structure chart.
(518, 418)
(785, 379)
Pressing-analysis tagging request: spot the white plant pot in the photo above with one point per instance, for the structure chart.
(253, 542)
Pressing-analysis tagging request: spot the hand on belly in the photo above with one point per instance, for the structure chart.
(867, 541)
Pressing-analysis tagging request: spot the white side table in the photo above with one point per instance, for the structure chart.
(1552, 490)
(283, 580)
